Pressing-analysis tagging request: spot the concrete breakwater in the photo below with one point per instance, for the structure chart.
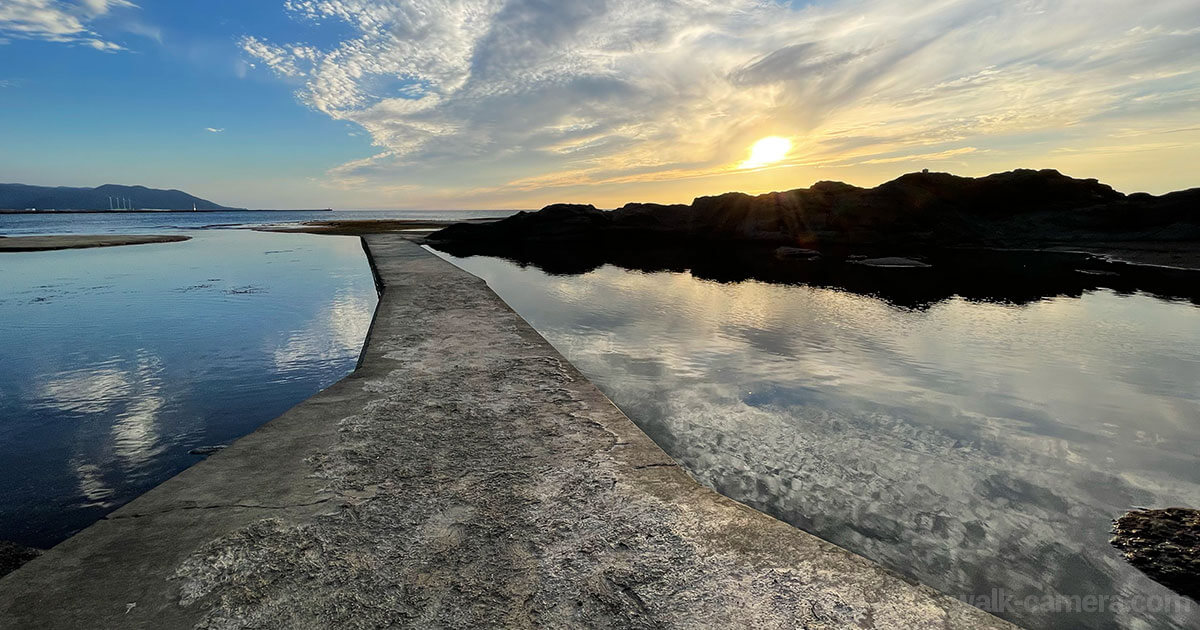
(465, 475)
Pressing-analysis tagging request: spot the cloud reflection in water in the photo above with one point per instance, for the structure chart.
(140, 354)
(970, 445)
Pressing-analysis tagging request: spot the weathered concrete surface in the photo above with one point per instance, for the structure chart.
(464, 476)
(81, 241)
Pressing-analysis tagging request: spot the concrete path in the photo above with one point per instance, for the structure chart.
(464, 476)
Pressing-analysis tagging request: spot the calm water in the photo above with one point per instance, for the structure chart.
(973, 446)
(118, 361)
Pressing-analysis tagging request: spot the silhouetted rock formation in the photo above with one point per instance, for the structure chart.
(1164, 544)
(12, 556)
(913, 241)
(24, 197)
(1022, 207)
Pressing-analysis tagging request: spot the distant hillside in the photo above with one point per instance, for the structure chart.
(23, 197)
(1018, 208)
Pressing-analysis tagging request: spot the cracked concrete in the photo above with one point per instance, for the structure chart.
(466, 475)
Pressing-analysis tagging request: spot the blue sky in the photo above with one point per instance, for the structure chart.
(74, 115)
(517, 103)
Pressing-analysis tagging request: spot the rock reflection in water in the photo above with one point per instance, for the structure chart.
(971, 445)
(1016, 277)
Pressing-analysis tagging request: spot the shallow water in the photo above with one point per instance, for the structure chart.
(118, 361)
(981, 448)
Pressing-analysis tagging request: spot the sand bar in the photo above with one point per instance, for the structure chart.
(81, 241)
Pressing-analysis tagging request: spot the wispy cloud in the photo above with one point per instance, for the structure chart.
(214, 130)
(560, 93)
(58, 20)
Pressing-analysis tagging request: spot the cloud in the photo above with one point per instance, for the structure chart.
(58, 20)
(461, 96)
(214, 130)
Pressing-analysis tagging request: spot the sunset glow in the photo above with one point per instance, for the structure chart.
(769, 150)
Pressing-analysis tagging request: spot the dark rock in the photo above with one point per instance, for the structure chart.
(558, 221)
(1164, 544)
(207, 450)
(1020, 207)
(801, 253)
(893, 261)
(969, 230)
(12, 556)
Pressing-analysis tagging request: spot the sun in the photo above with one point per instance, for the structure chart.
(769, 150)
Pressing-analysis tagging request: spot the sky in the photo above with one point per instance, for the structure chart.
(463, 104)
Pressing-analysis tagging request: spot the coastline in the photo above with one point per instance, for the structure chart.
(54, 212)
(464, 474)
(82, 241)
(362, 227)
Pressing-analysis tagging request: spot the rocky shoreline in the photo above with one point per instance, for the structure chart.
(1013, 237)
(1164, 544)
(915, 213)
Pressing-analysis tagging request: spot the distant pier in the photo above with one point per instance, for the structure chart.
(465, 475)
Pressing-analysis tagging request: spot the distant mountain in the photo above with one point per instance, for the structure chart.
(23, 197)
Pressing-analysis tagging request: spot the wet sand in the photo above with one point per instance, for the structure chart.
(359, 227)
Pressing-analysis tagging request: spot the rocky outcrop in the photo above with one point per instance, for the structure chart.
(916, 210)
(893, 262)
(12, 556)
(1164, 544)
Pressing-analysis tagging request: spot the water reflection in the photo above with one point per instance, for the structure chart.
(119, 361)
(1014, 277)
(971, 445)
(87, 390)
(335, 332)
